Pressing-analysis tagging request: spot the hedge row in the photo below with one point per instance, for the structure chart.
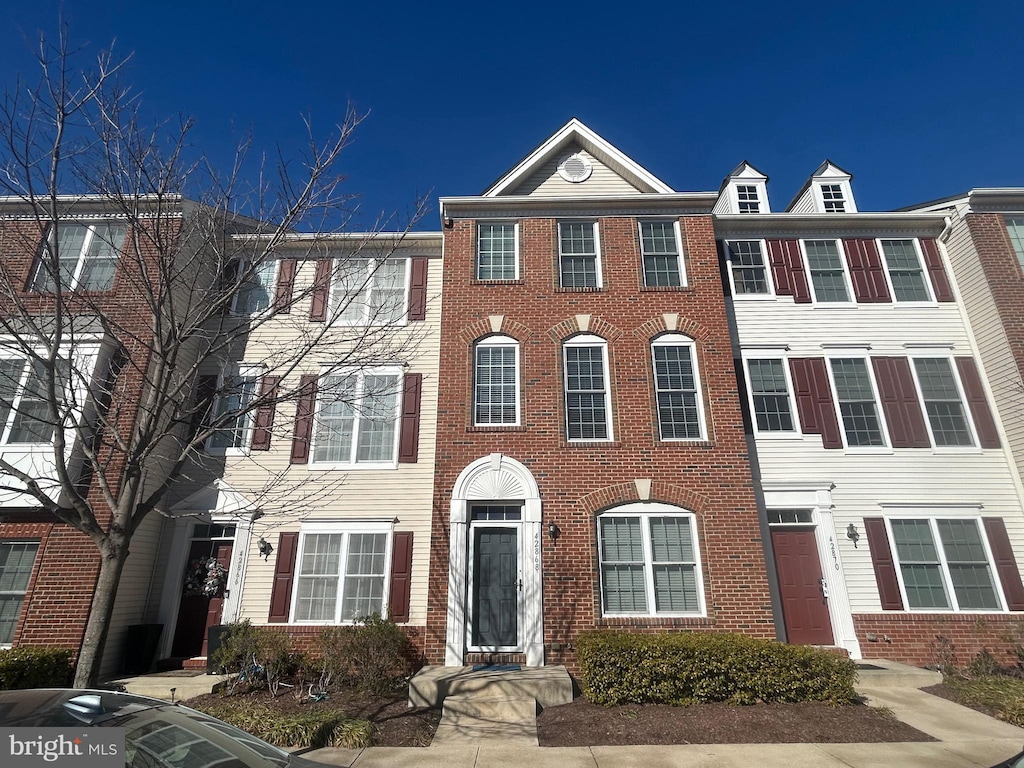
(28, 666)
(692, 667)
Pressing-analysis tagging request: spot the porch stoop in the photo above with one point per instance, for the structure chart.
(475, 718)
(160, 686)
(873, 674)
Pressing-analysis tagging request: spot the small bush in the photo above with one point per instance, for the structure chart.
(372, 656)
(315, 728)
(258, 656)
(687, 668)
(27, 666)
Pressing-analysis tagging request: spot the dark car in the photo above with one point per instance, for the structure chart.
(1017, 761)
(157, 734)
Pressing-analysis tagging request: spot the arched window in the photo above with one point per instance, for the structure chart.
(677, 384)
(496, 382)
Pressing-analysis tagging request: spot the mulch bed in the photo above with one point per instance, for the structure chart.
(944, 692)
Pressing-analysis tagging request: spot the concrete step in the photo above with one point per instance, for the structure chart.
(549, 686)
(481, 711)
(882, 673)
(167, 686)
(513, 734)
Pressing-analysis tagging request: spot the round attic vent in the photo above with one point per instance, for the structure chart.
(575, 168)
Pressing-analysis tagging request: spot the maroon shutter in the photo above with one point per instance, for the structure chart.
(303, 435)
(409, 435)
(866, 272)
(933, 262)
(1006, 563)
(321, 290)
(988, 433)
(814, 400)
(885, 566)
(903, 415)
(418, 288)
(284, 575)
(206, 393)
(285, 284)
(788, 270)
(264, 421)
(401, 577)
(806, 406)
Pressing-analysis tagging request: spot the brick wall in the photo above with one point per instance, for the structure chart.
(930, 639)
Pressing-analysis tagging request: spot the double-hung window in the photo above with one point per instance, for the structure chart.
(943, 402)
(356, 418)
(858, 405)
(16, 561)
(769, 395)
(832, 198)
(677, 384)
(662, 257)
(579, 262)
(371, 291)
(748, 269)
(87, 256)
(747, 200)
(650, 563)
(944, 564)
(229, 416)
(587, 396)
(1015, 229)
(256, 288)
(828, 271)
(496, 382)
(24, 404)
(497, 251)
(906, 275)
(342, 572)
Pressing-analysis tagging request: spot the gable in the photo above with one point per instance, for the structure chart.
(546, 181)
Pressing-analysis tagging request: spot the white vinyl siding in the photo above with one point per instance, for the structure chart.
(16, 561)
(87, 256)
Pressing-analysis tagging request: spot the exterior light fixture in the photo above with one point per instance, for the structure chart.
(852, 535)
(553, 531)
(265, 547)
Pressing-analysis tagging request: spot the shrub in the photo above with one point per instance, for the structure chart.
(372, 656)
(685, 668)
(258, 656)
(27, 666)
(315, 728)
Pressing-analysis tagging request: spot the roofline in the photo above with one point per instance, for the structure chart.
(399, 239)
(988, 199)
(766, 224)
(578, 205)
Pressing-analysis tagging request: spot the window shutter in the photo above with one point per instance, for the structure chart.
(409, 435)
(814, 400)
(285, 284)
(418, 288)
(303, 435)
(988, 433)
(723, 268)
(866, 272)
(885, 566)
(206, 393)
(401, 577)
(284, 575)
(264, 421)
(321, 291)
(933, 262)
(1006, 563)
(788, 270)
(903, 414)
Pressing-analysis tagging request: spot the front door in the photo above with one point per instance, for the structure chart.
(804, 600)
(495, 588)
(202, 596)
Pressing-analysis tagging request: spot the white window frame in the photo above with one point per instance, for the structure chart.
(924, 271)
(679, 340)
(42, 276)
(736, 295)
(515, 236)
(975, 444)
(851, 297)
(24, 592)
(886, 446)
(336, 312)
(947, 581)
(353, 463)
(242, 371)
(758, 190)
(747, 357)
(345, 529)
(844, 189)
(1016, 240)
(588, 340)
(504, 342)
(645, 511)
(597, 256)
(680, 261)
(266, 273)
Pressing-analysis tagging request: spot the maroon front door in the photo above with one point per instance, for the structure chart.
(804, 605)
(198, 611)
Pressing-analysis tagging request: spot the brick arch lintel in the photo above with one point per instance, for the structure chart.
(591, 324)
(672, 323)
(486, 327)
(627, 493)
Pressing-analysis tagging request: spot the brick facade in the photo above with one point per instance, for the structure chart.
(938, 639)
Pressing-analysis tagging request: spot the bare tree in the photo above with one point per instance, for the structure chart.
(132, 269)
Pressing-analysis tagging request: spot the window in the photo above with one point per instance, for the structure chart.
(341, 573)
(234, 394)
(956, 574)
(24, 407)
(828, 273)
(678, 388)
(496, 382)
(659, 246)
(370, 291)
(579, 265)
(832, 198)
(587, 399)
(906, 275)
(769, 394)
(947, 417)
(16, 561)
(253, 295)
(858, 408)
(497, 252)
(746, 199)
(747, 269)
(1015, 228)
(649, 562)
(87, 257)
(356, 417)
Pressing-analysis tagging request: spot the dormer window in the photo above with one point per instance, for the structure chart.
(747, 200)
(832, 198)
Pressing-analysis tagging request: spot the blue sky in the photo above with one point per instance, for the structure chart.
(917, 100)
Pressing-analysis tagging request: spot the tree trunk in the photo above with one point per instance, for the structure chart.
(90, 656)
